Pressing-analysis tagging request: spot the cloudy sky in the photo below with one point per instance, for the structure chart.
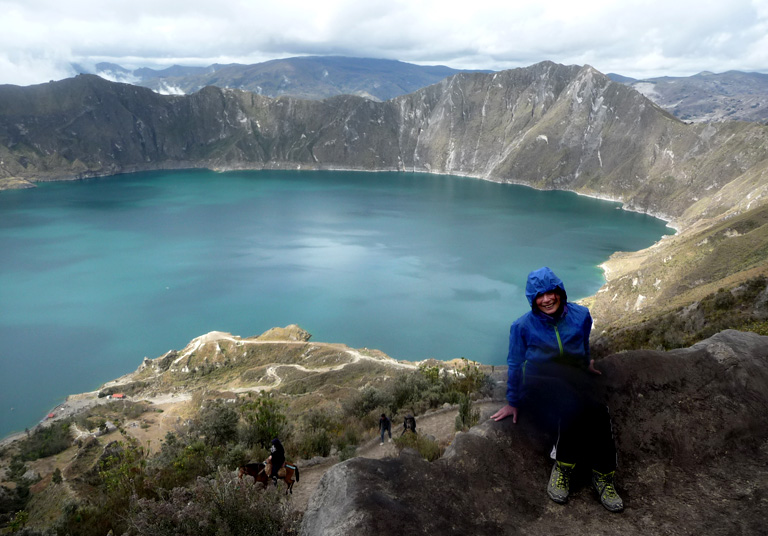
(39, 39)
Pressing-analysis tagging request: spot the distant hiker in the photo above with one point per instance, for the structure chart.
(551, 376)
(409, 424)
(385, 425)
(276, 459)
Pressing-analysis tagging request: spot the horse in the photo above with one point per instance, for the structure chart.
(259, 474)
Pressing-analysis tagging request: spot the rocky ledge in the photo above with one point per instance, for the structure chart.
(692, 431)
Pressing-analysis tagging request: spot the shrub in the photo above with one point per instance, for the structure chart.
(315, 443)
(235, 457)
(407, 389)
(217, 423)
(427, 448)
(264, 421)
(362, 403)
(761, 328)
(724, 299)
(46, 441)
(349, 451)
(13, 500)
(468, 416)
(349, 437)
(221, 505)
(317, 419)
(19, 521)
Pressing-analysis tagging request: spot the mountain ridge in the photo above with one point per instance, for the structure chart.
(306, 77)
(547, 126)
(703, 97)
(494, 126)
(707, 96)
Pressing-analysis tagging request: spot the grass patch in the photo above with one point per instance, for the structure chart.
(427, 448)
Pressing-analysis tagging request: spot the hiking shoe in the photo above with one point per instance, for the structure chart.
(603, 483)
(560, 481)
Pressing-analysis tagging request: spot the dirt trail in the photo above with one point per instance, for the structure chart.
(440, 424)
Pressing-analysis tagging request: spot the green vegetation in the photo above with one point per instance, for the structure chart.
(220, 505)
(468, 416)
(264, 420)
(426, 447)
(46, 441)
(14, 501)
(743, 308)
(427, 388)
(188, 487)
(116, 411)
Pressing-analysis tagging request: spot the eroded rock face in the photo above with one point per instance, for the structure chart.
(691, 427)
(549, 126)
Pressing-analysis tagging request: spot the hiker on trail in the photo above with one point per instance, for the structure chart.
(551, 376)
(276, 459)
(385, 425)
(409, 424)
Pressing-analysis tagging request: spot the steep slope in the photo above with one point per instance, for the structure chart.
(680, 271)
(548, 126)
(691, 432)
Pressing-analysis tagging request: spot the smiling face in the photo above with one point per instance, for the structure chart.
(549, 302)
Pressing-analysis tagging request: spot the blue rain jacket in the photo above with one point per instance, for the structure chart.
(536, 338)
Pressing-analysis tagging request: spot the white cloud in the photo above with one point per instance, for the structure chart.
(39, 38)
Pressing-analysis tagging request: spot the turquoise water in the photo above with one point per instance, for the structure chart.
(96, 275)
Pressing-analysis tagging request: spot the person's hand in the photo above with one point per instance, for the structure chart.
(592, 368)
(505, 412)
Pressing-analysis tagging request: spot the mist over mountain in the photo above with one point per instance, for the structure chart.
(704, 97)
(308, 77)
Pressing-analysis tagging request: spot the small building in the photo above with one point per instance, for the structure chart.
(117, 396)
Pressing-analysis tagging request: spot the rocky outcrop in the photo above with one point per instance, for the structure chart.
(288, 333)
(691, 427)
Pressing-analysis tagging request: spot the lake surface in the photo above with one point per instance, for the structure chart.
(95, 275)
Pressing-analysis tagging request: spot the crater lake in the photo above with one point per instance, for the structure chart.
(95, 275)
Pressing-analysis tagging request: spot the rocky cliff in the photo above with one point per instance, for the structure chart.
(548, 126)
(692, 431)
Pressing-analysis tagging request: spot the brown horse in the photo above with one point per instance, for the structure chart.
(259, 474)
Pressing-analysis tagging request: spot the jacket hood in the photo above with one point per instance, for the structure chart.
(541, 281)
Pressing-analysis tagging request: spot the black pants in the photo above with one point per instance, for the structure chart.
(565, 400)
(277, 464)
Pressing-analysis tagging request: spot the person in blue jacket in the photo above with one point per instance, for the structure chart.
(551, 377)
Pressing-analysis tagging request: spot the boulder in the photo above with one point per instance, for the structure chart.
(691, 427)
(31, 475)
